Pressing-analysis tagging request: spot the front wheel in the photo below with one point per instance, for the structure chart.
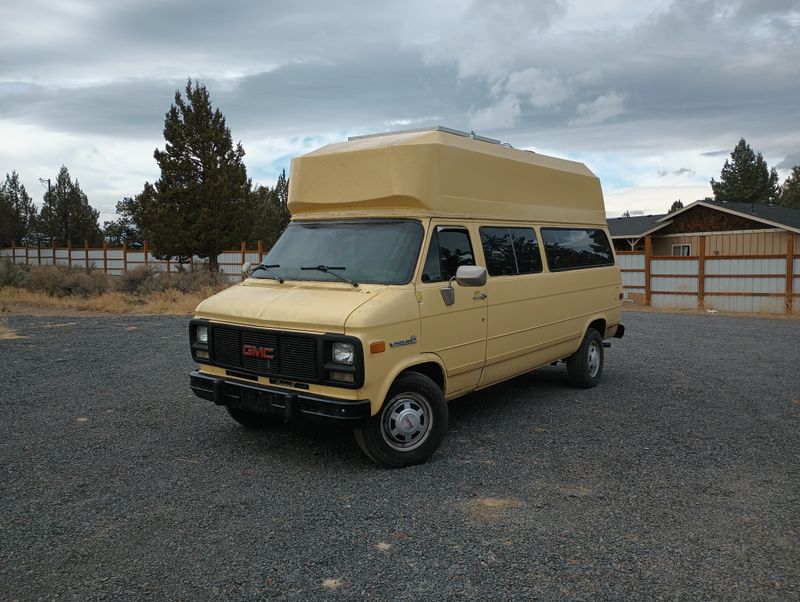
(585, 366)
(410, 425)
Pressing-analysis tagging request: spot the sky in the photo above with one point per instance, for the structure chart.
(651, 95)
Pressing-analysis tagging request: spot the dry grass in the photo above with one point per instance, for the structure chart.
(170, 301)
(7, 332)
(490, 509)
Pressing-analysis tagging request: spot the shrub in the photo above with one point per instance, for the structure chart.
(142, 280)
(13, 274)
(61, 282)
(196, 279)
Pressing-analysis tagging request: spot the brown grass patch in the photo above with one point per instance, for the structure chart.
(332, 583)
(170, 301)
(490, 509)
(6, 332)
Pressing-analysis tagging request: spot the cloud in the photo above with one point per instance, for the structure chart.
(789, 161)
(601, 109)
(499, 116)
(633, 89)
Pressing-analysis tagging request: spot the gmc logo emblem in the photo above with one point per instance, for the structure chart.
(264, 353)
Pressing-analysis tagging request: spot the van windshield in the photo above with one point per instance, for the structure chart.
(370, 251)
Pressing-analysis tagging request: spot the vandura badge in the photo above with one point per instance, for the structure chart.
(404, 342)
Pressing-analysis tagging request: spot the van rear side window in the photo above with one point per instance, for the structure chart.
(511, 251)
(576, 248)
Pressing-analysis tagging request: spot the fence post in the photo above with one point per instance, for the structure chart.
(701, 274)
(105, 256)
(86, 252)
(244, 256)
(124, 257)
(53, 251)
(145, 253)
(13, 252)
(39, 252)
(26, 252)
(168, 260)
(790, 236)
(648, 253)
(260, 252)
(69, 254)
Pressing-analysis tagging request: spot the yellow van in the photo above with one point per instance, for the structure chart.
(418, 266)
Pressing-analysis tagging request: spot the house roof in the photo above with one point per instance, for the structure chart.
(625, 227)
(786, 218)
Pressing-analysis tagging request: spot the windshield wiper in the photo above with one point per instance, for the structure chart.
(265, 267)
(326, 269)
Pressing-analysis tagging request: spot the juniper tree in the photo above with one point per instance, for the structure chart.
(199, 205)
(745, 178)
(17, 212)
(790, 190)
(66, 214)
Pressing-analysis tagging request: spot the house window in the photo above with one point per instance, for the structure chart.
(681, 250)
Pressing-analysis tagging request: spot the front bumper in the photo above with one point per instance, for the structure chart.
(266, 400)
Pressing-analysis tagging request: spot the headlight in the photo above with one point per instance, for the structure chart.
(343, 353)
(202, 335)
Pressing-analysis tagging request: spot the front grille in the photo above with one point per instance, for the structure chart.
(293, 356)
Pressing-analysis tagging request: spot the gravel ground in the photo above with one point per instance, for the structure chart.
(676, 478)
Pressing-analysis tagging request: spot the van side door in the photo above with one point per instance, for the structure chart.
(457, 332)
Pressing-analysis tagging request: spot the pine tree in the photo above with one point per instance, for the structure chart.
(66, 214)
(17, 212)
(675, 206)
(746, 178)
(199, 205)
(270, 211)
(123, 230)
(790, 191)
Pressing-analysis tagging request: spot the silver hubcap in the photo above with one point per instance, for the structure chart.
(406, 421)
(594, 359)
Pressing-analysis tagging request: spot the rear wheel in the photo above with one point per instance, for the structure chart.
(253, 420)
(585, 366)
(410, 426)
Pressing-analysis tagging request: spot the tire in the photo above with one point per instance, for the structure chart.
(585, 366)
(409, 427)
(253, 420)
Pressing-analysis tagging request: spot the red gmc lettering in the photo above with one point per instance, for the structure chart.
(264, 353)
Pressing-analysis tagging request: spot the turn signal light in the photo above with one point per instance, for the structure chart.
(377, 347)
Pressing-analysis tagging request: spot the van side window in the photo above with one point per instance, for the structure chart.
(511, 251)
(576, 248)
(450, 248)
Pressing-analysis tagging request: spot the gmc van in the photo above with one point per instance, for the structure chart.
(418, 266)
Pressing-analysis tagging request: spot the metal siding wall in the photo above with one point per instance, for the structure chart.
(745, 266)
(631, 262)
(633, 279)
(772, 305)
(666, 301)
(673, 285)
(745, 285)
(673, 266)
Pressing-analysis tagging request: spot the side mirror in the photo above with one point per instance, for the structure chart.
(471, 275)
(247, 268)
(466, 275)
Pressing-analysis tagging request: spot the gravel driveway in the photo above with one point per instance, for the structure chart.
(676, 478)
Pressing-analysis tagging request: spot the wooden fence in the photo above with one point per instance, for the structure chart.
(736, 283)
(118, 260)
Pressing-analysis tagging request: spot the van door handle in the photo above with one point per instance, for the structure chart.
(479, 297)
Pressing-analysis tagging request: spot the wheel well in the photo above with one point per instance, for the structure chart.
(430, 369)
(599, 326)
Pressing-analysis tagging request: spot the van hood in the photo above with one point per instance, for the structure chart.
(310, 306)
